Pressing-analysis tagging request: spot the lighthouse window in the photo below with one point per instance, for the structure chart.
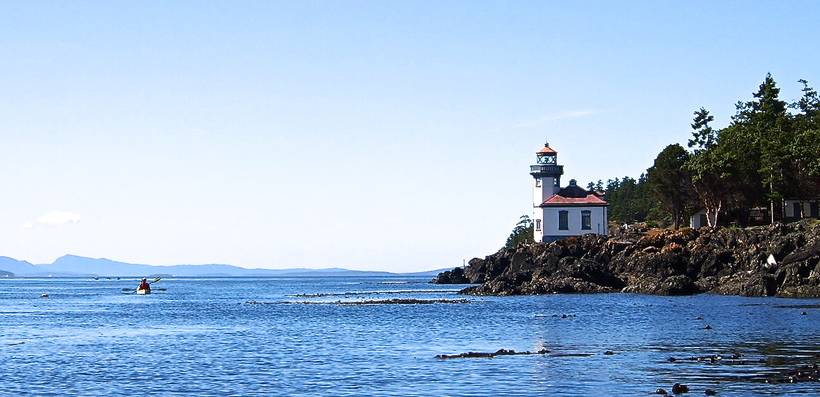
(538, 182)
(563, 220)
(586, 220)
(538, 225)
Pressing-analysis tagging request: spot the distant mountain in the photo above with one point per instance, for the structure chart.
(80, 265)
(73, 265)
(17, 267)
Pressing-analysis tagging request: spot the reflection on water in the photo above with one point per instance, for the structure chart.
(200, 338)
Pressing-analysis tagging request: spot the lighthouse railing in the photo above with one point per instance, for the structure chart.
(547, 169)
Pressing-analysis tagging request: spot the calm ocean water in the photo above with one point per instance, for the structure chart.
(200, 337)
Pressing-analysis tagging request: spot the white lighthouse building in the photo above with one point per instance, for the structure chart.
(562, 212)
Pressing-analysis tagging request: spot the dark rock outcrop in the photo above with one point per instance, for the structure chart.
(727, 261)
(455, 276)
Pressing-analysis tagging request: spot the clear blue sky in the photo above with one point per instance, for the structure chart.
(370, 135)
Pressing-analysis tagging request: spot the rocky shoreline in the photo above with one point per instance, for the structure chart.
(776, 260)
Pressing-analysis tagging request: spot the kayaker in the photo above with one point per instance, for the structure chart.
(144, 285)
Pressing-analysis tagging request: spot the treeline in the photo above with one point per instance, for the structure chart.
(770, 151)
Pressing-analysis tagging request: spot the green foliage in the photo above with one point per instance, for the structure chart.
(629, 199)
(709, 175)
(521, 233)
(669, 182)
(764, 155)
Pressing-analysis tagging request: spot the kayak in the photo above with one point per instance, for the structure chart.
(143, 291)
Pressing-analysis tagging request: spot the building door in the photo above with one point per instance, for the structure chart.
(703, 221)
(796, 208)
(815, 212)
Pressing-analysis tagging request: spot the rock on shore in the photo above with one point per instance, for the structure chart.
(728, 261)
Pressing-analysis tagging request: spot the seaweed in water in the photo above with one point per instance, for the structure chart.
(500, 352)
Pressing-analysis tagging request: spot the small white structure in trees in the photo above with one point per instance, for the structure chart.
(793, 210)
(801, 208)
(700, 219)
(562, 212)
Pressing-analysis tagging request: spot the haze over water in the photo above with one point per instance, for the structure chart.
(201, 337)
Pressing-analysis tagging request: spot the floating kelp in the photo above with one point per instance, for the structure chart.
(394, 301)
(728, 359)
(500, 352)
(765, 371)
(388, 292)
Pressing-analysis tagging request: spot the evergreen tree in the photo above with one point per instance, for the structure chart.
(707, 167)
(521, 233)
(809, 103)
(804, 151)
(768, 127)
(703, 136)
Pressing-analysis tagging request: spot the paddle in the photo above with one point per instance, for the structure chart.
(156, 280)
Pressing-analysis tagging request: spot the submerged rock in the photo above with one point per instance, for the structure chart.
(679, 388)
(727, 261)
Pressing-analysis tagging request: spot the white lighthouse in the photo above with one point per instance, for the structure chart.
(562, 212)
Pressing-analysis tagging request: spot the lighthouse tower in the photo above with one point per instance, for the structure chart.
(547, 174)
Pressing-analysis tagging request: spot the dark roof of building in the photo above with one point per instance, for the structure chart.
(574, 195)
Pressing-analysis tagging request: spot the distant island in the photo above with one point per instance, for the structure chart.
(80, 266)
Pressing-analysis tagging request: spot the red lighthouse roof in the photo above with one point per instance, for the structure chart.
(546, 150)
(591, 200)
